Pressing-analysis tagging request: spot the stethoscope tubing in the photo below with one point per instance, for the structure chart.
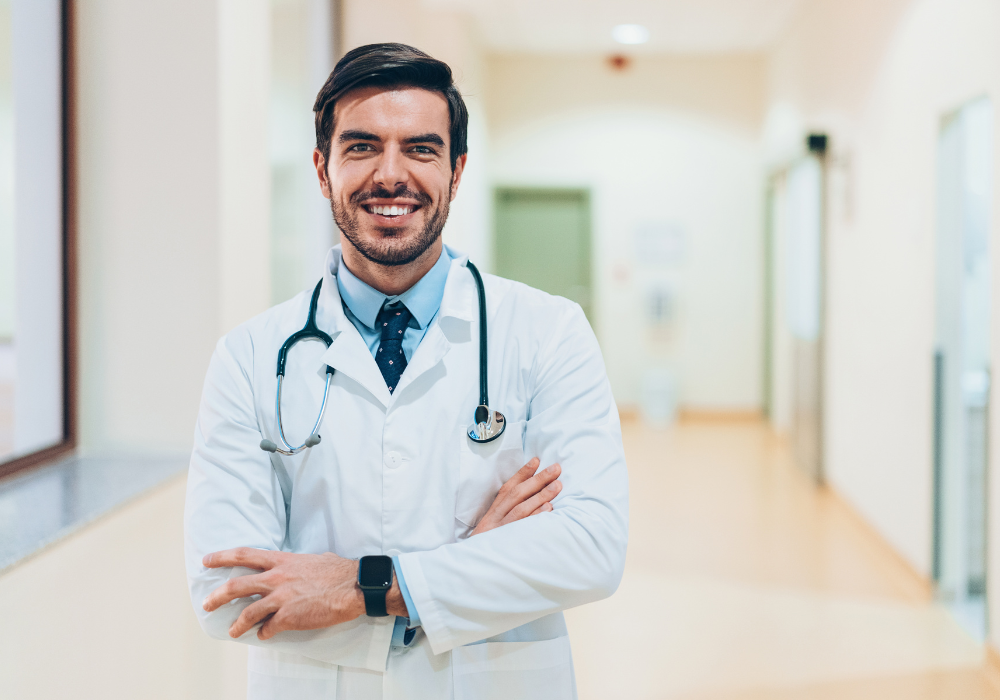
(484, 398)
(313, 434)
(487, 425)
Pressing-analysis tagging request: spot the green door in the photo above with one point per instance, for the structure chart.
(543, 239)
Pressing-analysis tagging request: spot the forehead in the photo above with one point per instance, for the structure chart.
(392, 112)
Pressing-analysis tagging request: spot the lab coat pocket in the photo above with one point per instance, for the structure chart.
(273, 674)
(522, 670)
(484, 469)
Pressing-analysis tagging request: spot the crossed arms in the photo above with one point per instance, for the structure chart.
(313, 591)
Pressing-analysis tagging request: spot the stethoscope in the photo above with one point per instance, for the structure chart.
(487, 425)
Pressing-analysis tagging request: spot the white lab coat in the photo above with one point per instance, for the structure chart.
(396, 474)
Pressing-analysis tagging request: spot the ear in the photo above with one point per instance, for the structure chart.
(319, 162)
(456, 176)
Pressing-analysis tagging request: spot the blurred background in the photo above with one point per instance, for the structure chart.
(777, 214)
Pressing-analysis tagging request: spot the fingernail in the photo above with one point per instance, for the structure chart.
(555, 486)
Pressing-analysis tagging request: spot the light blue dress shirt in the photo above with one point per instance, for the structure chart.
(362, 305)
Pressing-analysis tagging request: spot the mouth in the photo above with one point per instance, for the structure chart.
(391, 213)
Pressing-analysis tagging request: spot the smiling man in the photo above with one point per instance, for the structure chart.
(399, 553)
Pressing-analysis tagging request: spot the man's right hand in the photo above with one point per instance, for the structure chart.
(525, 494)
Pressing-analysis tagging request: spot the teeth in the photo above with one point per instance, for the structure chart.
(391, 211)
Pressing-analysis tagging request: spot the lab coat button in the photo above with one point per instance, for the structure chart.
(393, 459)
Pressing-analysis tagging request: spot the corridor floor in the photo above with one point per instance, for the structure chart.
(744, 582)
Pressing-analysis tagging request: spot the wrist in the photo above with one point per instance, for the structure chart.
(394, 603)
(357, 598)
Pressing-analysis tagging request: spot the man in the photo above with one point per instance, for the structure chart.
(469, 552)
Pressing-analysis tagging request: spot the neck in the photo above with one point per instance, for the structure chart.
(389, 279)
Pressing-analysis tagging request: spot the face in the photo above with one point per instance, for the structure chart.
(388, 176)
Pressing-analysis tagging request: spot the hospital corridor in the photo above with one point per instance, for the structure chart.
(753, 585)
(293, 293)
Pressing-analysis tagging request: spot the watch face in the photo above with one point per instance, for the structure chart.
(375, 572)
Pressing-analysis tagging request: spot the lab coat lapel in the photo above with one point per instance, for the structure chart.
(348, 353)
(457, 305)
(429, 353)
(351, 357)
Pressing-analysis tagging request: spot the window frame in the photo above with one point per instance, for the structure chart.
(69, 256)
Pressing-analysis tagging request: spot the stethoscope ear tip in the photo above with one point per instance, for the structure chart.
(268, 446)
(313, 440)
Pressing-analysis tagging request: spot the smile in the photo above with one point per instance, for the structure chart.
(390, 210)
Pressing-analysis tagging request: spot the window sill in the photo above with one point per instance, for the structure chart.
(45, 505)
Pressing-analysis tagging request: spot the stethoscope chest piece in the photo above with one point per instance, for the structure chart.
(488, 425)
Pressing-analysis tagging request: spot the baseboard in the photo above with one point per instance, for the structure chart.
(703, 415)
(632, 412)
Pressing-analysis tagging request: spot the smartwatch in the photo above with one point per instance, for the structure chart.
(375, 580)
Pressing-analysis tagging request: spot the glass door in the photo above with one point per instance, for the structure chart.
(961, 362)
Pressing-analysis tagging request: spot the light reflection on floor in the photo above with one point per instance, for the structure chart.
(744, 582)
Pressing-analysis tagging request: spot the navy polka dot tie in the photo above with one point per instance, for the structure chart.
(392, 320)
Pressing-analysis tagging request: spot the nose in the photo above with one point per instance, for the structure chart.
(390, 172)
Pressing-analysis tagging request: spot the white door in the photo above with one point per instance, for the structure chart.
(961, 362)
(795, 268)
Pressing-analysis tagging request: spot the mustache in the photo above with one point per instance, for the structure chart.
(384, 193)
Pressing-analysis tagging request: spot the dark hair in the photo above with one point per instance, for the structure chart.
(389, 66)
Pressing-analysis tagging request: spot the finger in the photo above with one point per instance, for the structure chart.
(507, 497)
(536, 483)
(524, 473)
(240, 587)
(544, 508)
(249, 557)
(272, 625)
(523, 510)
(253, 614)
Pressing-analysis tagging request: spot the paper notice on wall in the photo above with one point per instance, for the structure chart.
(660, 243)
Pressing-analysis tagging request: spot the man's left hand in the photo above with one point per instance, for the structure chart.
(300, 591)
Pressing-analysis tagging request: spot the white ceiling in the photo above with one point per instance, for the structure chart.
(585, 25)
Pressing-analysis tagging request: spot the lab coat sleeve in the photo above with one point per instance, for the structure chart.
(504, 578)
(235, 499)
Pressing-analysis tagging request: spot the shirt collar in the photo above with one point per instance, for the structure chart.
(422, 299)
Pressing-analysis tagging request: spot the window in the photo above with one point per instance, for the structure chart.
(36, 242)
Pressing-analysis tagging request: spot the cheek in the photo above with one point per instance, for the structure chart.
(347, 179)
(435, 183)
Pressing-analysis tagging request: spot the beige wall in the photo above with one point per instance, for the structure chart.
(671, 141)
(106, 614)
(173, 217)
(879, 77)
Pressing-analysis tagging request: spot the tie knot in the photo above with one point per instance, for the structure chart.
(392, 321)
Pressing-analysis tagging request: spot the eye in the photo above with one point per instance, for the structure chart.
(425, 150)
(360, 148)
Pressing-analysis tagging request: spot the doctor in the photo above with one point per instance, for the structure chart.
(468, 551)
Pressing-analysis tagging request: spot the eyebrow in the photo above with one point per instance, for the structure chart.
(426, 138)
(355, 135)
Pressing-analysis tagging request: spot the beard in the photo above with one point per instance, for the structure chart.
(395, 248)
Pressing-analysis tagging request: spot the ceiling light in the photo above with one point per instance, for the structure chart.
(630, 34)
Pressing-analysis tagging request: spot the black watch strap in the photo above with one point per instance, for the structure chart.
(375, 602)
